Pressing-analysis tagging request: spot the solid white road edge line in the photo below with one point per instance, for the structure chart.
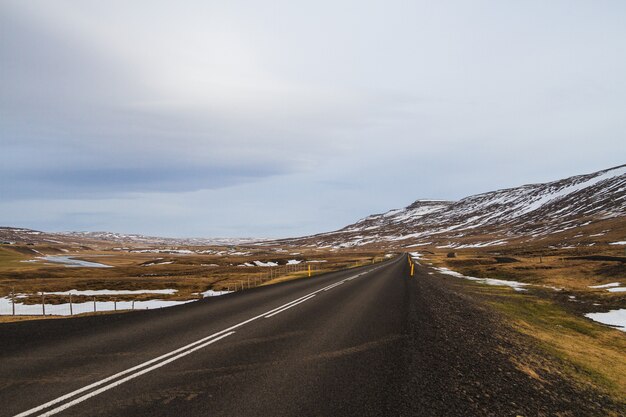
(142, 365)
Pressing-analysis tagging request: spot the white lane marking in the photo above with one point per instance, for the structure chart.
(288, 307)
(142, 365)
(128, 378)
(335, 285)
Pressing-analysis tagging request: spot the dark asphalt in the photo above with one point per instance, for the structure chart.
(379, 344)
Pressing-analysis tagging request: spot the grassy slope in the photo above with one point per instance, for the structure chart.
(591, 353)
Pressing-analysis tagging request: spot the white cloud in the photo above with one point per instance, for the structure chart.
(123, 98)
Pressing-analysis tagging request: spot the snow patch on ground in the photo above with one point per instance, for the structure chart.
(265, 264)
(80, 308)
(112, 292)
(615, 318)
(517, 286)
(157, 262)
(609, 285)
(618, 243)
(419, 244)
(212, 293)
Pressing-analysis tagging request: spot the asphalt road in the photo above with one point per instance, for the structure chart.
(368, 341)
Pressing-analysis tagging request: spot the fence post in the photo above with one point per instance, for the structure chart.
(43, 303)
(94, 304)
(132, 305)
(71, 311)
(13, 299)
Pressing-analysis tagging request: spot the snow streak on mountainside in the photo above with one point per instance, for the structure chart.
(530, 212)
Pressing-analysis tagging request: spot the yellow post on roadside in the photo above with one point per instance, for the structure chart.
(412, 269)
(309, 271)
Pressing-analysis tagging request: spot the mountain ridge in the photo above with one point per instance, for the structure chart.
(529, 212)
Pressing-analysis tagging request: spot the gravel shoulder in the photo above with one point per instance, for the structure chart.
(463, 358)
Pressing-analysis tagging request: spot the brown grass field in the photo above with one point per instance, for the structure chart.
(219, 269)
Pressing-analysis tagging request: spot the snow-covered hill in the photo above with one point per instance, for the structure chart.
(527, 213)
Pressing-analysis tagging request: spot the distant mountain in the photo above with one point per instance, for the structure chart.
(529, 213)
(15, 235)
(154, 240)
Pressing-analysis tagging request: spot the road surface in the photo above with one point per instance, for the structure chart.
(369, 341)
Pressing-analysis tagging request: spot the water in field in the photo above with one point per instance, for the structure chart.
(69, 261)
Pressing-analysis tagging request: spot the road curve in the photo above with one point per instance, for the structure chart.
(367, 341)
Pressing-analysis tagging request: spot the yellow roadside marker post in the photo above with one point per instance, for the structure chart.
(412, 265)
(309, 271)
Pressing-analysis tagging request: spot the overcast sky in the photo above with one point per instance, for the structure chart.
(284, 118)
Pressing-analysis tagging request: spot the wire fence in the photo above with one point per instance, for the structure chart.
(47, 303)
(70, 305)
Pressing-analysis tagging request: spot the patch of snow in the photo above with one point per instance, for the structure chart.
(80, 308)
(517, 286)
(293, 262)
(419, 244)
(265, 264)
(617, 289)
(623, 242)
(615, 318)
(212, 293)
(112, 292)
(158, 263)
(609, 285)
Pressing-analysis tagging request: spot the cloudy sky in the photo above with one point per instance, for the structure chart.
(284, 118)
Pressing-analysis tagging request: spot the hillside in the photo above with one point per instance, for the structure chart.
(573, 210)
